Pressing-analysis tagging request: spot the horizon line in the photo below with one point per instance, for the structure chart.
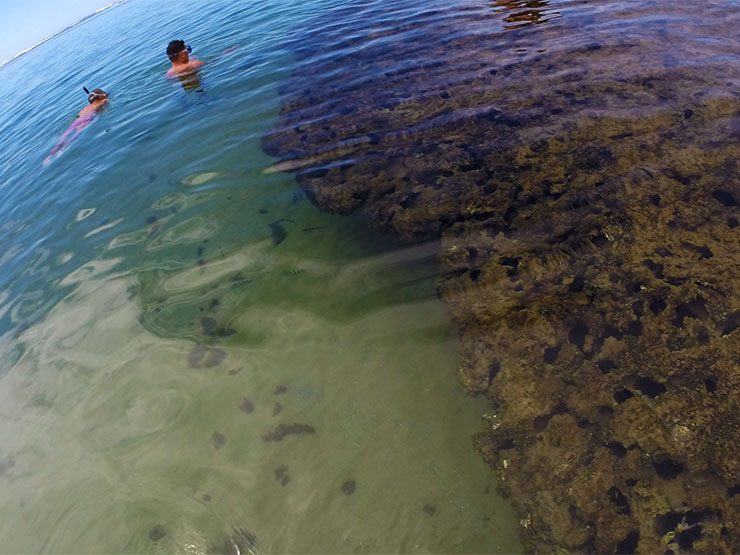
(113, 4)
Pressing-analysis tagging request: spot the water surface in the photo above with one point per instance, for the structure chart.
(194, 358)
(579, 161)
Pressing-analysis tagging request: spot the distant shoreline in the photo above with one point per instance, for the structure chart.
(113, 4)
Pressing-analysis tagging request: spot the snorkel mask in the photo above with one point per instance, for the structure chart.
(96, 94)
(176, 48)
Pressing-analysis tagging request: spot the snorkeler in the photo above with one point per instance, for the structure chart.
(183, 67)
(98, 100)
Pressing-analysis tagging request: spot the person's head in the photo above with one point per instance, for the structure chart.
(178, 51)
(97, 97)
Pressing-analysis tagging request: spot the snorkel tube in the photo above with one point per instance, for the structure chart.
(95, 94)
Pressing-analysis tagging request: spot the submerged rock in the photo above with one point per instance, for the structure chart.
(281, 475)
(246, 406)
(157, 533)
(277, 230)
(219, 440)
(202, 356)
(429, 509)
(349, 487)
(282, 430)
(211, 328)
(585, 197)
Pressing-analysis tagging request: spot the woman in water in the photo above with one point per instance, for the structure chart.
(98, 100)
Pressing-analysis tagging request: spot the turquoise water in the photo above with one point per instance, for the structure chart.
(166, 305)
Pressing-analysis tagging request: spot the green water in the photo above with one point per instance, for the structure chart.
(111, 433)
(165, 305)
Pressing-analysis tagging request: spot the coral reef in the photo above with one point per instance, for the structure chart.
(584, 186)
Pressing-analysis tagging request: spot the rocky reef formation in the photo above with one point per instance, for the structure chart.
(582, 177)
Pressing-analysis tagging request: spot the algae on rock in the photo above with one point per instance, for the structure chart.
(586, 196)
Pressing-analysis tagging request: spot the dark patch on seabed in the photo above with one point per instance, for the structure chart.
(157, 533)
(349, 487)
(202, 356)
(582, 176)
(282, 430)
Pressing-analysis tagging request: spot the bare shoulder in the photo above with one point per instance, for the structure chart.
(85, 112)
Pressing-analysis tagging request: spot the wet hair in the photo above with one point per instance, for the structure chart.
(174, 48)
(95, 94)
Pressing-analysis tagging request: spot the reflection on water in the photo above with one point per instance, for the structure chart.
(170, 443)
(520, 13)
(191, 82)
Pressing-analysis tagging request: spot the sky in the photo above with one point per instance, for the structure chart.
(24, 23)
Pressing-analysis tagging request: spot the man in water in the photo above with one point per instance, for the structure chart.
(183, 67)
(98, 100)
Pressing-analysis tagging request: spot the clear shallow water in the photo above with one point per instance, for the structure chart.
(157, 231)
